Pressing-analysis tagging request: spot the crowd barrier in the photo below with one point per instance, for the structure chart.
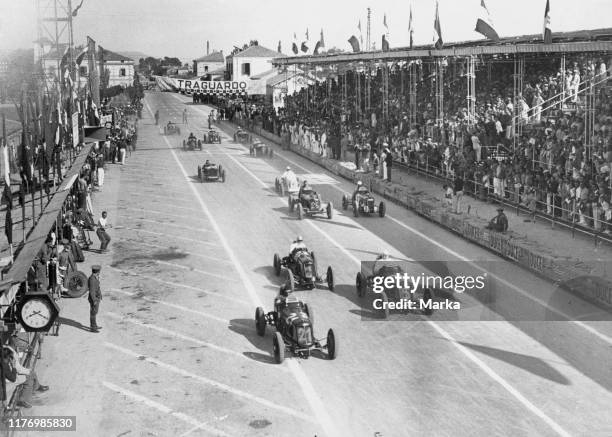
(573, 275)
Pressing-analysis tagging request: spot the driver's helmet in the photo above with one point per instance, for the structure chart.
(305, 183)
(190, 134)
(359, 183)
(299, 239)
(207, 162)
(288, 168)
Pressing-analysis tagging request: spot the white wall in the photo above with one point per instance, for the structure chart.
(212, 66)
(115, 78)
(258, 65)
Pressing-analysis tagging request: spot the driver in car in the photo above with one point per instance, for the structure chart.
(207, 164)
(360, 189)
(170, 125)
(305, 187)
(191, 137)
(289, 177)
(297, 246)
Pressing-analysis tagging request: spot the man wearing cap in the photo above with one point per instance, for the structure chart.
(94, 298)
(66, 261)
(499, 223)
(290, 179)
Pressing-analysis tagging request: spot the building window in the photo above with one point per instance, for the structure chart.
(122, 72)
(83, 71)
(206, 68)
(246, 69)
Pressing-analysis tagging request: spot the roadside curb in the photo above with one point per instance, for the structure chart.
(570, 274)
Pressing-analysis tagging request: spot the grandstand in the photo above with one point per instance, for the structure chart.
(520, 121)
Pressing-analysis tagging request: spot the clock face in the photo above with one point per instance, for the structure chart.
(36, 313)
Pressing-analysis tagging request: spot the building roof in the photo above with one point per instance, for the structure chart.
(258, 52)
(213, 57)
(109, 56)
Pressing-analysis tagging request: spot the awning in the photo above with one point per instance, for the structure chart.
(95, 133)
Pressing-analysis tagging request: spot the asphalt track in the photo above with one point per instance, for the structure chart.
(191, 261)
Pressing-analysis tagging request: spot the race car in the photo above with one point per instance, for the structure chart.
(388, 267)
(363, 203)
(171, 129)
(241, 136)
(212, 136)
(259, 149)
(211, 172)
(308, 202)
(192, 143)
(294, 320)
(301, 270)
(282, 188)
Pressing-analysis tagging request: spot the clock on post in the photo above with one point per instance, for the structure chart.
(37, 312)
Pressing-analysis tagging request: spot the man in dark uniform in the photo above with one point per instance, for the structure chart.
(66, 261)
(95, 296)
(499, 223)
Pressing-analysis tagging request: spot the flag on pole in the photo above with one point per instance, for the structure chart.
(304, 47)
(547, 32)
(294, 46)
(438, 43)
(320, 44)
(385, 22)
(360, 34)
(484, 24)
(410, 28)
(385, 44)
(76, 10)
(81, 55)
(278, 49)
(354, 43)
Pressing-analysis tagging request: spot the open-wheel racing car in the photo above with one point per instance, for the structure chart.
(192, 143)
(171, 129)
(363, 203)
(211, 172)
(259, 149)
(213, 136)
(388, 267)
(241, 136)
(308, 202)
(294, 320)
(301, 269)
(282, 186)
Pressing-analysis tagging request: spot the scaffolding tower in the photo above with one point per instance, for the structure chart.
(471, 90)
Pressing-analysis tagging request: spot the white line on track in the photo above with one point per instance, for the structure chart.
(198, 255)
(173, 225)
(181, 308)
(164, 409)
(213, 383)
(191, 269)
(177, 284)
(484, 367)
(310, 394)
(172, 237)
(185, 337)
(450, 251)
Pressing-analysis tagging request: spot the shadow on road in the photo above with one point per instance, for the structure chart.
(74, 324)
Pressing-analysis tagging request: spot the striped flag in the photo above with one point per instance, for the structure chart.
(484, 24)
(320, 44)
(410, 28)
(547, 32)
(294, 47)
(438, 42)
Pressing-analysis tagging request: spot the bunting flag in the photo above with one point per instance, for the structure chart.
(294, 47)
(410, 28)
(385, 23)
(64, 60)
(304, 46)
(547, 32)
(279, 47)
(484, 24)
(81, 55)
(438, 43)
(320, 44)
(354, 43)
(74, 13)
(385, 44)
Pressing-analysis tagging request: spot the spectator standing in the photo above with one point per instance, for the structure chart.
(457, 194)
(185, 116)
(389, 163)
(101, 231)
(94, 298)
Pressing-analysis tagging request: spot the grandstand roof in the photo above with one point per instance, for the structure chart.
(598, 40)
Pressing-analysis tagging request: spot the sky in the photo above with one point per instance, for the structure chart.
(180, 28)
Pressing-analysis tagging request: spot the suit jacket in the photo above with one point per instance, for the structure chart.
(95, 294)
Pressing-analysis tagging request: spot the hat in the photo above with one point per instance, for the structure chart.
(96, 268)
(500, 209)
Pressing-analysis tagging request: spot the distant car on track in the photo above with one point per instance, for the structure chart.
(259, 149)
(243, 137)
(363, 203)
(192, 143)
(302, 270)
(294, 323)
(308, 202)
(171, 129)
(211, 172)
(213, 136)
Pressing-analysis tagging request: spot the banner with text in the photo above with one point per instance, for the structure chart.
(211, 87)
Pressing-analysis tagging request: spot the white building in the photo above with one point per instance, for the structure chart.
(119, 67)
(207, 64)
(250, 62)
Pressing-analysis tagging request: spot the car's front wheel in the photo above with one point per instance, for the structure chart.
(279, 347)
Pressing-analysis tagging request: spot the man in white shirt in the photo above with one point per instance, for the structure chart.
(289, 178)
(297, 246)
(101, 231)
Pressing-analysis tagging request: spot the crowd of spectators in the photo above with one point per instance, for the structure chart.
(541, 147)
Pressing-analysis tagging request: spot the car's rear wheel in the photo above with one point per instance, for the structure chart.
(281, 189)
(222, 175)
(355, 210)
(184, 145)
(290, 203)
(384, 311)
(290, 281)
(279, 347)
(200, 145)
(308, 311)
(77, 284)
(300, 211)
(332, 345)
(199, 173)
(330, 210)
(314, 266)
(360, 285)
(276, 184)
(427, 297)
(344, 202)
(381, 209)
(277, 264)
(330, 278)
(260, 321)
